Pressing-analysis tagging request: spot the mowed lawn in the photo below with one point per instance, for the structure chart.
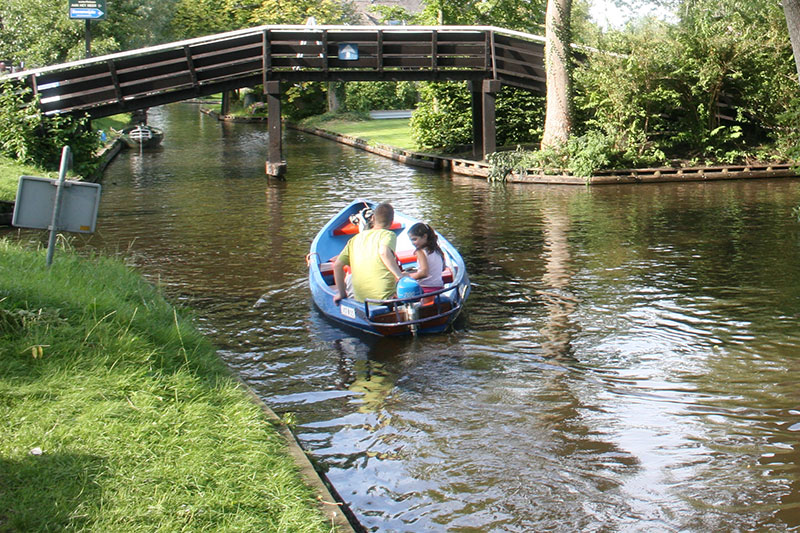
(393, 132)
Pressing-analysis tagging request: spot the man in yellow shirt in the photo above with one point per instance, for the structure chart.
(372, 261)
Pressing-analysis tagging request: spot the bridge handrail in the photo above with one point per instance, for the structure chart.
(259, 29)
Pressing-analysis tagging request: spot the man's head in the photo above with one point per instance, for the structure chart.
(384, 216)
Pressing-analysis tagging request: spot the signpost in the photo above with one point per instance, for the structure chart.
(88, 10)
(57, 205)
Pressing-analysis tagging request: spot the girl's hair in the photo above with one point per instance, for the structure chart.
(420, 229)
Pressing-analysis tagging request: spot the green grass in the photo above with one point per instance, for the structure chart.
(392, 132)
(117, 415)
(116, 122)
(10, 171)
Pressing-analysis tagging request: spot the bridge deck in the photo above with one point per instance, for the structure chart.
(172, 72)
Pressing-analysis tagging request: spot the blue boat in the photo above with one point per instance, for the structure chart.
(433, 312)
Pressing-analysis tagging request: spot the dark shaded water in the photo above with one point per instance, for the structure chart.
(630, 359)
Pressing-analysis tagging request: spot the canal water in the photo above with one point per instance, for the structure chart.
(629, 359)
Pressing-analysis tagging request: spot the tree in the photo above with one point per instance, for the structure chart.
(791, 10)
(40, 32)
(558, 55)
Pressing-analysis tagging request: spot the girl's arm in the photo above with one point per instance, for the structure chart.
(422, 265)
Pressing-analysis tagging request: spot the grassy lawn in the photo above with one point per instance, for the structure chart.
(393, 132)
(116, 122)
(10, 171)
(116, 414)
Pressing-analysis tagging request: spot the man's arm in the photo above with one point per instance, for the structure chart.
(338, 277)
(388, 258)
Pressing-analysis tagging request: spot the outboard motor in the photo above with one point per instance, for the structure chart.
(362, 219)
(409, 288)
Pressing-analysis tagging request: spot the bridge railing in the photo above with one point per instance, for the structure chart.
(152, 76)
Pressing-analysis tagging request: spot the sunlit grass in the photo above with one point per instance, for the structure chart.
(392, 132)
(10, 171)
(117, 415)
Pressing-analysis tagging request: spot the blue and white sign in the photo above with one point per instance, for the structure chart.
(87, 9)
(348, 51)
(81, 13)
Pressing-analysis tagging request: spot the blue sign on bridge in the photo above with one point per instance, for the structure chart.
(348, 51)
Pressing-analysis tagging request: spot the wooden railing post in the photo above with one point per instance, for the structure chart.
(276, 165)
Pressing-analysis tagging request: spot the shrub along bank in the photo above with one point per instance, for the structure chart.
(117, 415)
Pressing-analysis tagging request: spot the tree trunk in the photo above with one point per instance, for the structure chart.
(558, 54)
(791, 10)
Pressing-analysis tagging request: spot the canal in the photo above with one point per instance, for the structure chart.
(629, 359)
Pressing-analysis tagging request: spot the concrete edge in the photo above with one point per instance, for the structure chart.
(330, 504)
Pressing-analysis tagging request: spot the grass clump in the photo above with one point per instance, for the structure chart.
(392, 132)
(11, 170)
(117, 415)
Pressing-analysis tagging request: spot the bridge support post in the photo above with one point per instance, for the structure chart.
(484, 128)
(490, 90)
(276, 166)
(477, 120)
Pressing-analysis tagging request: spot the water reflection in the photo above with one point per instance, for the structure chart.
(628, 362)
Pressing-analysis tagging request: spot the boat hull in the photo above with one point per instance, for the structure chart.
(430, 313)
(142, 136)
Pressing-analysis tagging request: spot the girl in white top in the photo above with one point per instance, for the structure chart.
(430, 259)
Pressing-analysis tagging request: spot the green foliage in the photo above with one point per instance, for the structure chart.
(39, 32)
(511, 14)
(367, 96)
(442, 119)
(712, 87)
(303, 100)
(581, 155)
(34, 138)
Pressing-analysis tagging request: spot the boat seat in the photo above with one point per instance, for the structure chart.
(326, 269)
(351, 229)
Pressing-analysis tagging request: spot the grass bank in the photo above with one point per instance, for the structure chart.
(117, 415)
(392, 132)
(11, 169)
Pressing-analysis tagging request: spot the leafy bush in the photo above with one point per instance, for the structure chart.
(34, 138)
(304, 99)
(443, 118)
(581, 155)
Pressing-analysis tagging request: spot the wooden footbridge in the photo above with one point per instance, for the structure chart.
(487, 57)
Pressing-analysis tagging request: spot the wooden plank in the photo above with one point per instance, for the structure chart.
(231, 69)
(158, 84)
(520, 44)
(90, 98)
(147, 60)
(77, 87)
(223, 57)
(221, 45)
(517, 54)
(158, 70)
(535, 72)
(73, 75)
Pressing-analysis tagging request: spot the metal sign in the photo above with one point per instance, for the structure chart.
(37, 196)
(87, 9)
(348, 51)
